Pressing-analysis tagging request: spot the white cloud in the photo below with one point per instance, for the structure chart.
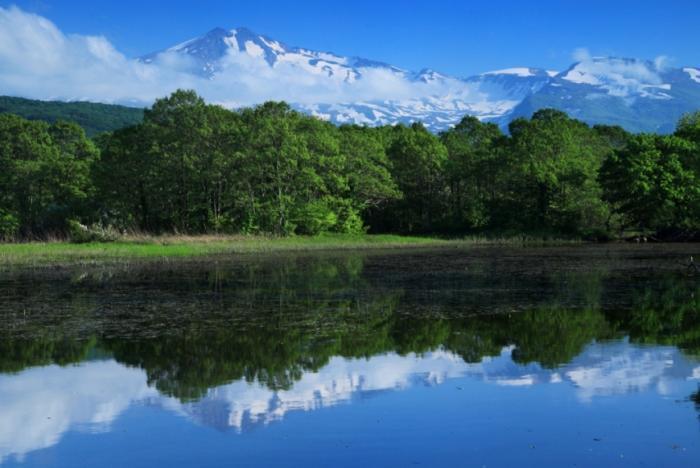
(662, 62)
(37, 60)
(581, 54)
(625, 78)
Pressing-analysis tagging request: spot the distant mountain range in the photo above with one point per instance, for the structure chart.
(239, 68)
(640, 95)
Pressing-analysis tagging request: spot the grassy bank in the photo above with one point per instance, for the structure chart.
(172, 247)
(133, 248)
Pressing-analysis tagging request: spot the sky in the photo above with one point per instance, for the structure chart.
(460, 38)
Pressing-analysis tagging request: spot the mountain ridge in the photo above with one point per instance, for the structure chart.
(640, 95)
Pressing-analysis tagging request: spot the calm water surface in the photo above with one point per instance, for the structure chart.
(576, 356)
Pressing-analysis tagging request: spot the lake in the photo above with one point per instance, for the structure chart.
(498, 357)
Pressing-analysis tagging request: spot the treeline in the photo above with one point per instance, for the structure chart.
(190, 167)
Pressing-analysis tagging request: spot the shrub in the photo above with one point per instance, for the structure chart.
(80, 233)
(314, 217)
(9, 226)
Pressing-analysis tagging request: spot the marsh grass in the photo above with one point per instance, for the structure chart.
(138, 247)
(134, 247)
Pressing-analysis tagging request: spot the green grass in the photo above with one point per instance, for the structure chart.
(142, 248)
(173, 247)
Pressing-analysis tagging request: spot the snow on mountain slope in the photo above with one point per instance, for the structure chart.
(620, 77)
(213, 51)
(639, 95)
(694, 74)
(352, 89)
(245, 68)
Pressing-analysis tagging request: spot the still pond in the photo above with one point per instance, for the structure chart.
(497, 357)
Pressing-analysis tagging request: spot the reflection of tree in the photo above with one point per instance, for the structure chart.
(284, 319)
(18, 354)
(554, 336)
(276, 356)
(665, 312)
(550, 336)
(270, 321)
(188, 364)
(695, 398)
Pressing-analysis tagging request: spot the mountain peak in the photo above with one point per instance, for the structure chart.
(218, 32)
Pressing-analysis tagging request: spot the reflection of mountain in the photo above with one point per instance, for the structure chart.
(340, 381)
(48, 401)
(603, 369)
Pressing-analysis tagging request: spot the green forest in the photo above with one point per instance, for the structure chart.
(95, 118)
(191, 167)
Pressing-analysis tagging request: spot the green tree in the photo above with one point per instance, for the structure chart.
(370, 183)
(278, 167)
(418, 159)
(649, 184)
(126, 179)
(178, 129)
(553, 165)
(44, 175)
(471, 172)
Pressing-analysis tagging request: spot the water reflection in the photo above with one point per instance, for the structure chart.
(48, 401)
(38, 405)
(239, 345)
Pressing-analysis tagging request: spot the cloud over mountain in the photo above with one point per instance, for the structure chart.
(38, 60)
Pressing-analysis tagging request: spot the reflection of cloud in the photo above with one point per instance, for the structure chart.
(46, 402)
(615, 369)
(39, 405)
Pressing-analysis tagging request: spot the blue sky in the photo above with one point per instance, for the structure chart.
(455, 37)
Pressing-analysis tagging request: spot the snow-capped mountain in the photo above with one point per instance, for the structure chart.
(639, 95)
(436, 99)
(211, 51)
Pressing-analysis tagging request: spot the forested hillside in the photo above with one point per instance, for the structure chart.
(94, 118)
(191, 167)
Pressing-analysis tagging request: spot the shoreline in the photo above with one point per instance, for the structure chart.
(143, 248)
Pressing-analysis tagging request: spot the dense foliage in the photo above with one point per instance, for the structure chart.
(191, 167)
(94, 118)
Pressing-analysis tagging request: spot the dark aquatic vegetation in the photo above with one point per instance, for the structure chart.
(499, 357)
